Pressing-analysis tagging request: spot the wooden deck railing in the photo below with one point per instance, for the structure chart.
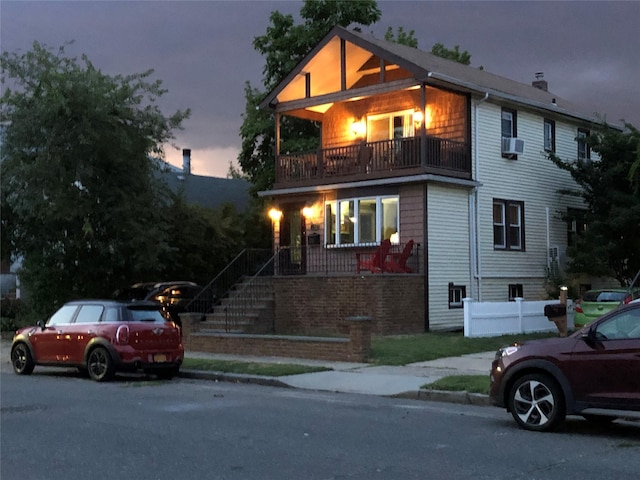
(442, 156)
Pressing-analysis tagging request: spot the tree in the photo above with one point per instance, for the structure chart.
(451, 54)
(401, 37)
(609, 246)
(80, 202)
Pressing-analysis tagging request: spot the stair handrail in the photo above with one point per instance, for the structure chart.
(240, 297)
(211, 295)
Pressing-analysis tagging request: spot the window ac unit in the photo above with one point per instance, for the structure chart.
(512, 146)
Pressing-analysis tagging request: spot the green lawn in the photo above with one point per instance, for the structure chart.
(401, 350)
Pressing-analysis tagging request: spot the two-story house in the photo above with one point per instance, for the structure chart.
(415, 148)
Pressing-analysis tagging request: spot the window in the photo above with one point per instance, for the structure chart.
(549, 135)
(361, 221)
(63, 316)
(456, 294)
(584, 152)
(89, 314)
(576, 225)
(508, 225)
(515, 291)
(390, 126)
(509, 124)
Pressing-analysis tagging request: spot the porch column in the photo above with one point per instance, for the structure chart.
(423, 125)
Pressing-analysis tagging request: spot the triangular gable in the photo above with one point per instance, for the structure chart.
(341, 61)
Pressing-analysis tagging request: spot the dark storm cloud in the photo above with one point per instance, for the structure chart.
(202, 51)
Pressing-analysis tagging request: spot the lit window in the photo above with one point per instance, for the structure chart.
(361, 221)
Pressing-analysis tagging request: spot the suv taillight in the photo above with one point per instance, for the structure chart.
(627, 299)
(122, 335)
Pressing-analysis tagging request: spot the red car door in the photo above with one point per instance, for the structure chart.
(47, 342)
(79, 333)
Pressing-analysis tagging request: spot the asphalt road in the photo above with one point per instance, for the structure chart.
(56, 424)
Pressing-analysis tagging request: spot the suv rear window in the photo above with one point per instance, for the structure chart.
(146, 315)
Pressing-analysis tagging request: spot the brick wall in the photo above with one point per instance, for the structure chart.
(320, 305)
(356, 347)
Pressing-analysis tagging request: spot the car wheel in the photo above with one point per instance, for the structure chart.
(536, 402)
(599, 419)
(21, 359)
(100, 365)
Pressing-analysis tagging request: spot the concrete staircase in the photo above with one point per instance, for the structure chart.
(249, 308)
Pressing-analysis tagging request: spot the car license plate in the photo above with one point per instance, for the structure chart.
(159, 357)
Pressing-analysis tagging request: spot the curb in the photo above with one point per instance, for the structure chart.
(232, 377)
(464, 398)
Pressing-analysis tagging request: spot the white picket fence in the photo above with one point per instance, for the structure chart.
(492, 319)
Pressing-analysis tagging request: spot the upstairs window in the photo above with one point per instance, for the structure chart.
(584, 152)
(576, 225)
(390, 126)
(509, 123)
(549, 136)
(508, 225)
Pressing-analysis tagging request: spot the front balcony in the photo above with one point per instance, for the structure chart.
(374, 160)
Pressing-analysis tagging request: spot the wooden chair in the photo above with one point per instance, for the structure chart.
(398, 263)
(375, 263)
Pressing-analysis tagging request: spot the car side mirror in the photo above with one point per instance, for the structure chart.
(590, 336)
(41, 324)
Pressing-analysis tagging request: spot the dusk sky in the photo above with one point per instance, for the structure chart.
(202, 51)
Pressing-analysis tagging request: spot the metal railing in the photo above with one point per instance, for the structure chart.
(247, 262)
(332, 260)
(375, 157)
(249, 296)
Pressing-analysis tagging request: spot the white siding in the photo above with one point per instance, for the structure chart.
(448, 244)
(532, 179)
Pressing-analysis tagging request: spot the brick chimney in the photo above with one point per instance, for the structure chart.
(186, 161)
(539, 82)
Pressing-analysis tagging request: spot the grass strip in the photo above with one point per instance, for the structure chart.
(249, 368)
(461, 383)
(404, 349)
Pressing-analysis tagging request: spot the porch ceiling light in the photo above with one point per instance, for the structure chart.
(358, 128)
(417, 118)
(275, 214)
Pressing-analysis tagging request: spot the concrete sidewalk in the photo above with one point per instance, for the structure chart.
(362, 378)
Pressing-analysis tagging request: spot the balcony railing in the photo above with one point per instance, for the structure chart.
(376, 159)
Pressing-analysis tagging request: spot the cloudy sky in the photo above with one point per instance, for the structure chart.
(202, 51)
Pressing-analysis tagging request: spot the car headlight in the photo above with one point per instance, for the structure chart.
(506, 351)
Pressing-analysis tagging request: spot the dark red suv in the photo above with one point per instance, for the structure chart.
(102, 337)
(595, 372)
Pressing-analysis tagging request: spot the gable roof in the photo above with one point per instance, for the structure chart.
(324, 62)
(209, 192)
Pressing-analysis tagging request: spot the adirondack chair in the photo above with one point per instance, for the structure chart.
(398, 263)
(377, 259)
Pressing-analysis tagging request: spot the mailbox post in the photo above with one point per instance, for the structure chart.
(557, 313)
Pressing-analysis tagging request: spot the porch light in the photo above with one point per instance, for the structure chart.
(311, 212)
(275, 214)
(395, 238)
(358, 128)
(417, 118)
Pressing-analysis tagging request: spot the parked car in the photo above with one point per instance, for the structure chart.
(101, 337)
(596, 303)
(595, 372)
(174, 296)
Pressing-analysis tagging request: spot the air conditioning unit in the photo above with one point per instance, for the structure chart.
(512, 146)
